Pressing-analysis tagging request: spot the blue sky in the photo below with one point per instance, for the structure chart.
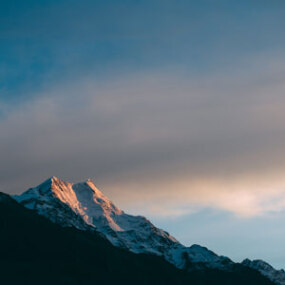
(43, 41)
(174, 108)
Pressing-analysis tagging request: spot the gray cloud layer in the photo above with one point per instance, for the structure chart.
(154, 136)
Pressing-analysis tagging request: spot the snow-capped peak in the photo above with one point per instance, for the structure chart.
(54, 199)
(83, 198)
(83, 206)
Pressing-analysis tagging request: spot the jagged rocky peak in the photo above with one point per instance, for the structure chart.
(83, 198)
(276, 276)
(46, 188)
(54, 197)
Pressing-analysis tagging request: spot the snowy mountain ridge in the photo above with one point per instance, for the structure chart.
(83, 206)
(277, 276)
(91, 210)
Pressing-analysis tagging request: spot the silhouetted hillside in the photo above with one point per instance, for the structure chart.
(35, 251)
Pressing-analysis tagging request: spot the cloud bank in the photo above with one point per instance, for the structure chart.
(164, 143)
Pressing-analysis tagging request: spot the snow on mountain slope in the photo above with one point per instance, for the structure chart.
(276, 276)
(83, 206)
(197, 257)
(45, 201)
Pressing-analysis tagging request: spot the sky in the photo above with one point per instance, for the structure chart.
(174, 108)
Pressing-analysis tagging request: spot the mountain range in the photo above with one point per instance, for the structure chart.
(74, 234)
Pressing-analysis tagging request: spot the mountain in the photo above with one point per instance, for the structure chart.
(84, 207)
(35, 251)
(277, 276)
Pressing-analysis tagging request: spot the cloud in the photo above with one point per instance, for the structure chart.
(175, 142)
(244, 196)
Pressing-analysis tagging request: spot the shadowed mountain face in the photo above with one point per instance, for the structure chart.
(36, 251)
